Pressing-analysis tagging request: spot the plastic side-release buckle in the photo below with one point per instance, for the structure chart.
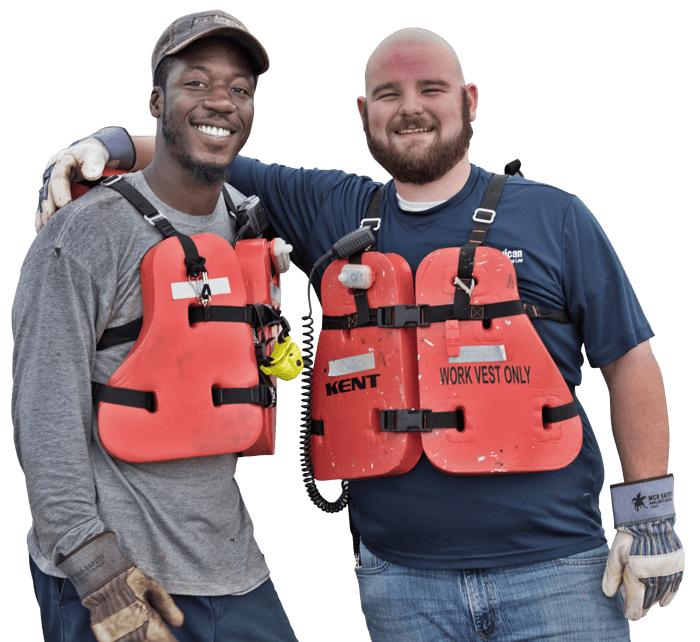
(404, 420)
(401, 316)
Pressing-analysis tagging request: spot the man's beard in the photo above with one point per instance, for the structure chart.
(425, 167)
(204, 173)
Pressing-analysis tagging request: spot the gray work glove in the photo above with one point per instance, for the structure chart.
(125, 605)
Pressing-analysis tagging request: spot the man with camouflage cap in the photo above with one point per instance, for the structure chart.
(131, 550)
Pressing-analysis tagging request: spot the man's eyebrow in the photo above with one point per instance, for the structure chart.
(440, 83)
(386, 85)
(421, 83)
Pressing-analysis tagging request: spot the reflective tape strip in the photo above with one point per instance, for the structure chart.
(349, 365)
(185, 289)
(275, 293)
(479, 354)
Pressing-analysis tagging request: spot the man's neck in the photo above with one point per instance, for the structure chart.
(177, 187)
(442, 189)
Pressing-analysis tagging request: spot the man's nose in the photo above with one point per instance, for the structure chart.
(221, 100)
(411, 104)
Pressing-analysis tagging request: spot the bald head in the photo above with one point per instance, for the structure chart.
(412, 38)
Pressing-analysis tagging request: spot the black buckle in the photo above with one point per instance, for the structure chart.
(401, 316)
(268, 396)
(404, 420)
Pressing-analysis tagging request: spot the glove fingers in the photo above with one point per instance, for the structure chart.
(612, 578)
(161, 601)
(137, 623)
(633, 593)
(124, 624)
(158, 599)
(40, 218)
(93, 162)
(55, 158)
(157, 631)
(667, 599)
(65, 171)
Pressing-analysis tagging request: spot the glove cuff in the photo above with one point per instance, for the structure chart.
(94, 563)
(642, 500)
(118, 143)
(119, 146)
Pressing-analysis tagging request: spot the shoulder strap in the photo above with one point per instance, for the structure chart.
(374, 207)
(484, 215)
(193, 262)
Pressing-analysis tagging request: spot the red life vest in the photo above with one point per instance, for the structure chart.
(191, 384)
(457, 373)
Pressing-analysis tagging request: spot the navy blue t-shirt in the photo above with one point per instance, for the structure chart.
(563, 260)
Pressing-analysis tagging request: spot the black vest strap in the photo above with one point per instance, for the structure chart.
(123, 396)
(256, 315)
(193, 262)
(261, 395)
(120, 334)
(483, 217)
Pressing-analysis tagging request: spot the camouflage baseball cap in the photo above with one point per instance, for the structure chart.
(184, 31)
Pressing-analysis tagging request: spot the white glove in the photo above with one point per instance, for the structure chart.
(280, 251)
(646, 559)
(84, 161)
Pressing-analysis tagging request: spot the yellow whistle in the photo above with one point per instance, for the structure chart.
(285, 360)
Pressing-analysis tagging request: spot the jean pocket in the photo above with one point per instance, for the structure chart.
(370, 564)
(598, 555)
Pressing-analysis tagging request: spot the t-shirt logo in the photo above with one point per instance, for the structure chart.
(515, 256)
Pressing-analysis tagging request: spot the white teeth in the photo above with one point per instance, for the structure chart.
(414, 131)
(213, 131)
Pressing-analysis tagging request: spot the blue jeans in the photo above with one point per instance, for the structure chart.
(559, 600)
(257, 616)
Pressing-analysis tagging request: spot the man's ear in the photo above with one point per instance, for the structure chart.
(361, 100)
(473, 98)
(156, 102)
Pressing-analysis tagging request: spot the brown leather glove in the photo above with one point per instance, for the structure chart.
(124, 603)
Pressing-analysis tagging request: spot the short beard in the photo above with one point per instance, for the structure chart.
(204, 173)
(428, 166)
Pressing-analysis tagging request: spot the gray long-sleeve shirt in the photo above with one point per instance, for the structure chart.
(183, 522)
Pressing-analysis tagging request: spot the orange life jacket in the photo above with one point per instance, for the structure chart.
(456, 371)
(191, 384)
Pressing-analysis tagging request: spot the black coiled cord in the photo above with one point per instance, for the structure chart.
(307, 469)
(356, 241)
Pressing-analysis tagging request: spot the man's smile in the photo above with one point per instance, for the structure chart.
(216, 132)
(411, 130)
